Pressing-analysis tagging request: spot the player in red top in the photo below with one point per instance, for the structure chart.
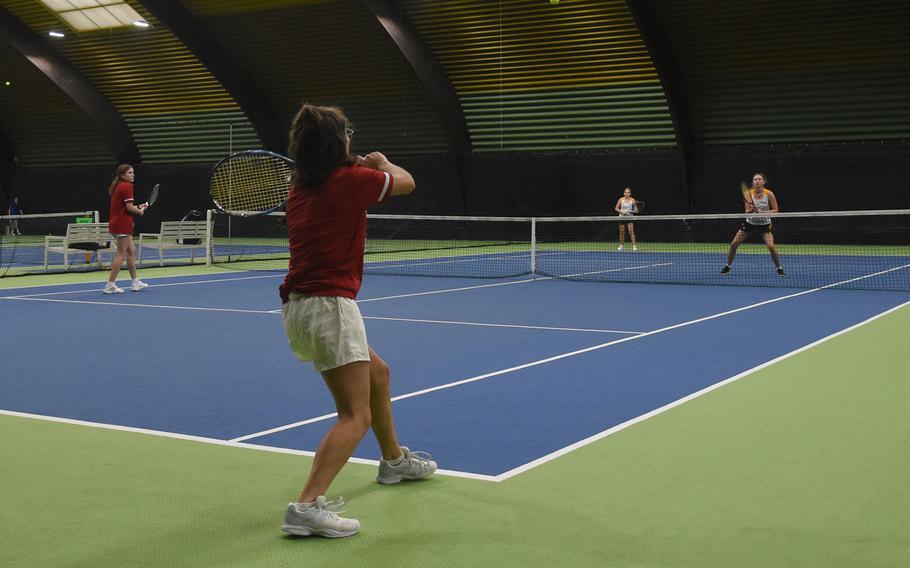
(326, 218)
(121, 226)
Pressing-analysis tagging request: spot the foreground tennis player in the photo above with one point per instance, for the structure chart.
(326, 219)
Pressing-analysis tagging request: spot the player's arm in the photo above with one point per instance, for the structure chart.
(617, 208)
(772, 201)
(133, 209)
(404, 181)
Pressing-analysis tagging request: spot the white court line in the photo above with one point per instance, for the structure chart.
(242, 311)
(508, 325)
(130, 305)
(216, 441)
(485, 376)
(509, 283)
(156, 285)
(501, 477)
(235, 443)
(591, 439)
(477, 258)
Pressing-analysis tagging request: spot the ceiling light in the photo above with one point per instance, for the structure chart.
(90, 15)
(55, 34)
(141, 24)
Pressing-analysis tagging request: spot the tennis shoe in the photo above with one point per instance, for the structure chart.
(780, 271)
(112, 288)
(138, 285)
(620, 247)
(725, 269)
(319, 518)
(634, 248)
(413, 465)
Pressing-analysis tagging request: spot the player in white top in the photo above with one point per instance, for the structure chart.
(625, 206)
(762, 201)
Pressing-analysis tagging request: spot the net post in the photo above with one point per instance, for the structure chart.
(96, 215)
(533, 245)
(210, 245)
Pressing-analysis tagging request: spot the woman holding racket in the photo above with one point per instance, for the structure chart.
(121, 227)
(625, 206)
(760, 200)
(326, 219)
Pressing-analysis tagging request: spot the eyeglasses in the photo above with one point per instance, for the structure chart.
(349, 132)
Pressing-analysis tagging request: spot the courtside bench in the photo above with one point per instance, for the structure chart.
(81, 239)
(192, 235)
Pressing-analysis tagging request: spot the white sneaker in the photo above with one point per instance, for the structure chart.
(112, 288)
(138, 285)
(619, 247)
(634, 248)
(414, 465)
(319, 518)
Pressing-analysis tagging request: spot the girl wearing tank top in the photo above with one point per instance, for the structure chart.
(762, 201)
(625, 206)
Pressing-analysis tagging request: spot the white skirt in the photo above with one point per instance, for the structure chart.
(327, 330)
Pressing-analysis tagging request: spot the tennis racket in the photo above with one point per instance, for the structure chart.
(252, 182)
(153, 197)
(744, 188)
(639, 207)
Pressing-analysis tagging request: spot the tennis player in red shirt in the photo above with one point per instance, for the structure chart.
(326, 219)
(121, 227)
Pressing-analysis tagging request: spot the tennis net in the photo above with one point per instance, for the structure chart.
(845, 249)
(23, 242)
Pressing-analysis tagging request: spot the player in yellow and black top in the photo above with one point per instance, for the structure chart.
(762, 200)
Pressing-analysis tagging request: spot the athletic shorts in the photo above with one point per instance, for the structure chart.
(327, 330)
(750, 228)
(119, 235)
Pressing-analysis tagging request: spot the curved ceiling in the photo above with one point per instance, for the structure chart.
(425, 77)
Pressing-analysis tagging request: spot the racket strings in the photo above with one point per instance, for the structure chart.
(253, 183)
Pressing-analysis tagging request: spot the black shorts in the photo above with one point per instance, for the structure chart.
(626, 220)
(749, 228)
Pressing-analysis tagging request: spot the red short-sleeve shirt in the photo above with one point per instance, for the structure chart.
(327, 228)
(121, 222)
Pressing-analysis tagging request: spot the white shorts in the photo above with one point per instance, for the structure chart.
(327, 330)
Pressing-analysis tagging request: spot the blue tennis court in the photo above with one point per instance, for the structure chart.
(525, 367)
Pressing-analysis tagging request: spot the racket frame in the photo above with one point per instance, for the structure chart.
(234, 156)
(153, 196)
(745, 189)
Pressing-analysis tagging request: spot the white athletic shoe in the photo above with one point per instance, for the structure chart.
(413, 465)
(634, 248)
(619, 247)
(319, 518)
(112, 288)
(138, 285)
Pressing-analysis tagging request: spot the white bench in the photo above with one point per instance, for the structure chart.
(82, 239)
(174, 235)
